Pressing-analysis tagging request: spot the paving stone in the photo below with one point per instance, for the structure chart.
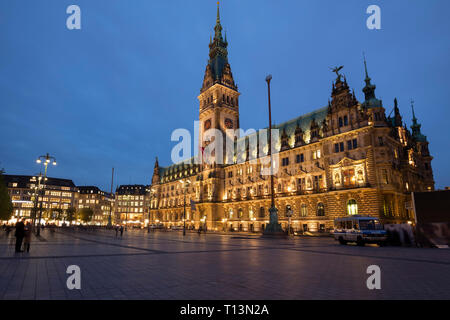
(166, 265)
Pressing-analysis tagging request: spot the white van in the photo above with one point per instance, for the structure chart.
(359, 229)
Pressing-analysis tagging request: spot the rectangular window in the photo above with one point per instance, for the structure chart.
(355, 143)
(285, 162)
(341, 146)
(385, 176)
(345, 121)
(380, 141)
(349, 145)
(336, 147)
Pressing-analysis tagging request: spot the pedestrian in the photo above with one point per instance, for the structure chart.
(20, 233)
(121, 231)
(117, 230)
(27, 238)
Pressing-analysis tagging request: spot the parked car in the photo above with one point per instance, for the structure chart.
(359, 229)
(176, 228)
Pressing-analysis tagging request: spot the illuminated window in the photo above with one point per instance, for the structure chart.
(316, 154)
(320, 209)
(303, 210)
(352, 207)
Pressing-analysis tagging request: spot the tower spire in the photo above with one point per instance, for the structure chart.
(218, 69)
(414, 116)
(218, 13)
(365, 65)
(415, 127)
(369, 90)
(218, 27)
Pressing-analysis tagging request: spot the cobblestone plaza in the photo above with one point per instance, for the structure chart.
(164, 265)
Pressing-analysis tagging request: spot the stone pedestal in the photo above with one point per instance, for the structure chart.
(273, 229)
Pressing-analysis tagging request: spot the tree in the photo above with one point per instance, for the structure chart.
(6, 207)
(86, 214)
(57, 214)
(70, 214)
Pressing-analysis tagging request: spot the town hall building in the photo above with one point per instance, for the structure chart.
(342, 159)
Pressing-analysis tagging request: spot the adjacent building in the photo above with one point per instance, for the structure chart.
(346, 157)
(131, 206)
(59, 195)
(101, 203)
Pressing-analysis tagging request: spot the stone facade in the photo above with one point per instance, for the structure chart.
(99, 201)
(344, 158)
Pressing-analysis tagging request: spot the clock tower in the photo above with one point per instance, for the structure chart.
(219, 96)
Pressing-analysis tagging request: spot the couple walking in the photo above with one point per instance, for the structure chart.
(117, 229)
(23, 236)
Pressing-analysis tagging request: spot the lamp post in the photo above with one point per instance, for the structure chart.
(289, 214)
(273, 228)
(110, 201)
(36, 196)
(149, 209)
(45, 160)
(184, 183)
(126, 213)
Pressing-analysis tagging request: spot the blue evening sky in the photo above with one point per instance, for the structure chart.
(110, 94)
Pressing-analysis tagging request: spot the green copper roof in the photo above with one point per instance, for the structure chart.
(218, 54)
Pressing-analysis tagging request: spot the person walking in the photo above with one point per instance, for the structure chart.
(121, 231)
(20, 234)
(27, 238)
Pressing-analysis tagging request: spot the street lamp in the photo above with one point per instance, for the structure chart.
(45, 160)
(273, 228)
(37, 188)
(150, 208)
(185, 184)
(289, 215)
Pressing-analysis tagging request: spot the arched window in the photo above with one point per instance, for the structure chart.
(320, 209)
(303, 210)
(340, 122)
(261, 212)
(352, 207)
(240, 213)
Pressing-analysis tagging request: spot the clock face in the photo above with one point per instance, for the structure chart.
(228, 123)
(207, 124)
